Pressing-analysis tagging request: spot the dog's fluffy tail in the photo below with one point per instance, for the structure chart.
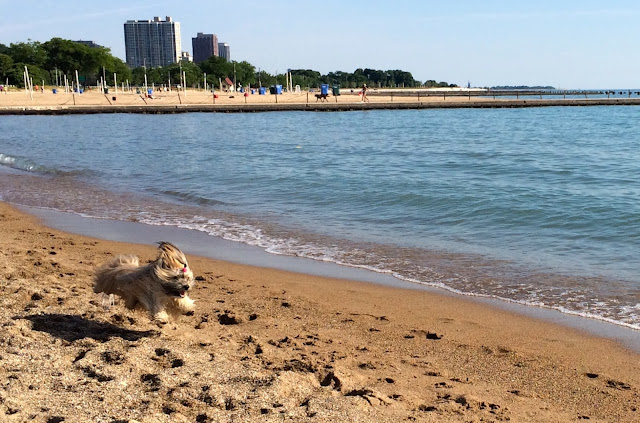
(106, 277)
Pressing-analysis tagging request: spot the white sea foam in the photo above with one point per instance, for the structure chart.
(245, 233)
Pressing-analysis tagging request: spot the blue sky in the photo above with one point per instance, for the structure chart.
(564, 43)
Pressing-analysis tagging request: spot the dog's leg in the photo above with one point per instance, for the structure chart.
(161, 316)
(158, 312)
(185, 304)
(154, 304)
(130, 302)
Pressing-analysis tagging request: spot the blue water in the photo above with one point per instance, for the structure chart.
(539, 206)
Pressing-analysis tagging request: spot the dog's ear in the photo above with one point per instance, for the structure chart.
(168, 247)
(171, 256)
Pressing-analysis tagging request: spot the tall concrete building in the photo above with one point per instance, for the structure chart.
(204, 46)
(152, 43)
(224, 51)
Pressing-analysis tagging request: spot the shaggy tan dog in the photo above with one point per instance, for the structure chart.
(160, 286)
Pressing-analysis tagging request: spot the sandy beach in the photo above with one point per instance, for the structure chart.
(93, 101)
(195, 97)
(269, 345)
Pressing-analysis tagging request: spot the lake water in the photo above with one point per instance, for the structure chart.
(539, 206)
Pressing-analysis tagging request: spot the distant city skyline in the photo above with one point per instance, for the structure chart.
(567, 44)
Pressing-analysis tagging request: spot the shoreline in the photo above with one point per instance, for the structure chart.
(46, 103)
(311, 107)
(201, 244)
(272, 345)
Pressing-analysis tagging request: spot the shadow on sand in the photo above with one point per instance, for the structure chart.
(73, 328)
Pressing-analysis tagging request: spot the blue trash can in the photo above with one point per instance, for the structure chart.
(324, 89)
(253, 91)
(275, 89)
(262, 91)
(55, 91)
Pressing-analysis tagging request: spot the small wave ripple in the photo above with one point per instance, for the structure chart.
(26, 165)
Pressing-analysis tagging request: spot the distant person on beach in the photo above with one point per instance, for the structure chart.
(364, 93)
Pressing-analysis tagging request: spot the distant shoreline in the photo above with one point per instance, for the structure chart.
(314, 107)
(163, 102)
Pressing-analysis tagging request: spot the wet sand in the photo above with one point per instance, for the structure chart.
(271, 345)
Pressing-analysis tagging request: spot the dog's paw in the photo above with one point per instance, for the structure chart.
(185, 304)
(161, 317)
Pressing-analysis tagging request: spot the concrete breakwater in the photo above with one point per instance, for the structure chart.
(481, 103)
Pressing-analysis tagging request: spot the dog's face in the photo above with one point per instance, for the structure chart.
(173, 269)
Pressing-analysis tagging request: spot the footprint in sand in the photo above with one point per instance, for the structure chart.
(112, 357)
(152, 381)
(615, 384)
(228, 319)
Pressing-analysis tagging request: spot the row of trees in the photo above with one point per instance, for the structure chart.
(50, 60)
(245, 73)
(55, 58)
(371, 77)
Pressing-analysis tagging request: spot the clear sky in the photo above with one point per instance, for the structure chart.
(564, 43)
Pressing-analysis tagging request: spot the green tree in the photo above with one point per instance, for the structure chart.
(6, 62)
(95, 59)
(91, 63)
(193, 74)
(402, 78)
(154, 76)
(66, 56)
(137, 76)
(161, 75)
(117, 66)
(37, 74)
(172, 72)
(375, 77)
(265, 79)
(216, 67)
(306, 78)
(245, 73)
(31, 52)
(336, 78)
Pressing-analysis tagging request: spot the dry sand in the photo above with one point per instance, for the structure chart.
(268, 345)
(92, 101)
(198, 97)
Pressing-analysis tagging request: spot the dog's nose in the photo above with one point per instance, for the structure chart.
(185, 287)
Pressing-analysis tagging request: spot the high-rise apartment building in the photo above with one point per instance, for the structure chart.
(91, 44)
(152, 43)
(204, 46)
(224, 51)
